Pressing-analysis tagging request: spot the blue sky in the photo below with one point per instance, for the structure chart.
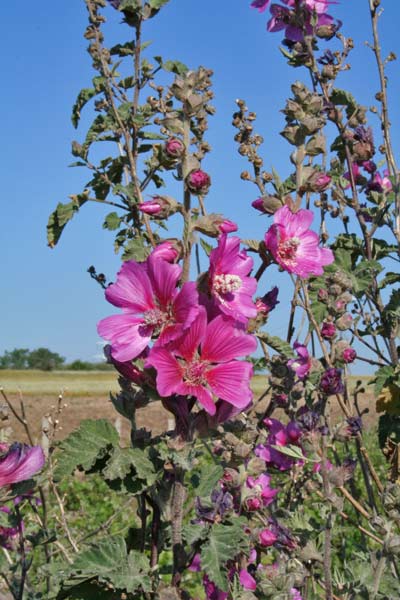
(47, 297)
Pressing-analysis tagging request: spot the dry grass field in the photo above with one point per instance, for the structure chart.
(86, 396)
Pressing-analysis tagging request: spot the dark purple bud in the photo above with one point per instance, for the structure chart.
(331, 382)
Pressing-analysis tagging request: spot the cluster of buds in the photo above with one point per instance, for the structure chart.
(249, 142)
(304, 115)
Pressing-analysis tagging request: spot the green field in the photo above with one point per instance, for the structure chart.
(75, 383)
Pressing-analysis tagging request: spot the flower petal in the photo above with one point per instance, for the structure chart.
(169, 372)
(231, 382)
(132, 290)
(128, 335)
(223, 341)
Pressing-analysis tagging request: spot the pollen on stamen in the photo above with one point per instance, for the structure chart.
(226, 283)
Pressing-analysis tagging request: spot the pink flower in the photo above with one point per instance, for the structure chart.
(19, 462)
(267, 537)
(211, 590)
(247, 580)
(295, 594)
(294, 247)
(198, 182)
(302, 364)
(260, 5)
(261, 488)
(201, 363)
(151, 305)
(228, 281)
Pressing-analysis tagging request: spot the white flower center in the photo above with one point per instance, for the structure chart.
(287, 250)
(226, 283)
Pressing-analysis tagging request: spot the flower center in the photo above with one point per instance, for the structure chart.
(287, 250)
(194, 373)
(155, 317)
(226, 283)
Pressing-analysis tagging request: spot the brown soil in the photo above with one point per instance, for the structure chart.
(75, 410)
(153, 417)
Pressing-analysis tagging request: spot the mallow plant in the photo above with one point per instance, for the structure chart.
(271, 495)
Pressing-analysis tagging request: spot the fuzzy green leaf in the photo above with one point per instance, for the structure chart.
(112, 221)
(131, 462)
(109, 562)
(135, 249)
(208, 480)
(276, 343)
(90, 442)
(83, 98)
(60, 217)
(224, 543)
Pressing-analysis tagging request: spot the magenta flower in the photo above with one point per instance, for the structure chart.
(267, 537)
(302, 364)
(247, 580)
(260, 5)
(202, 364)
(294, 247)
(151, 305)
(261, 489)
(19, 462)
(283, 18)
(211, 590)
(228, 281)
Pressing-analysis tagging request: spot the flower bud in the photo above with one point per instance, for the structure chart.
(252, 503)
(344, 322)
(267, 204)
(198, 182)
(160, 207)
(328, 330)
(169, 251)
(227, 226)
(267, 537)
(174, 148)
(331, 382)
(349, 355)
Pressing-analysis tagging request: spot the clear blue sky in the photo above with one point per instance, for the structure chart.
(47, 298)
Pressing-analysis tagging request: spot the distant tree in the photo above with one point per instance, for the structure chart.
(81, 365)
(45, 360)
(15, 359)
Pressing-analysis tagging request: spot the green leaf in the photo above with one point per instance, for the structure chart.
(276, 343)
(344, 98)
(109, 562)
(83, 98)
(383, 377)
(208, 479)
(136, 249)
(84, 446)
(157, 4)
(175, 66)
(131, 462)
(60, 217)
(389, 279)
(224, 543)
(292, 451)
(193, 533)
(206, 246)
(112, 221)
(127, 49)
